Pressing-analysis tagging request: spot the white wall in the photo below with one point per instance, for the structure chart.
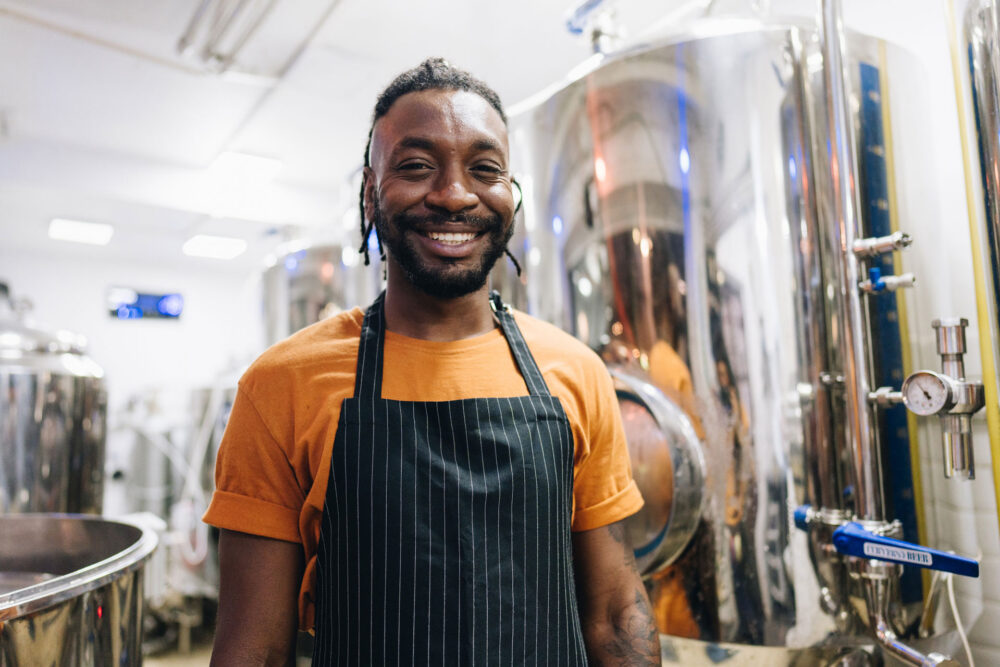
(220, 330)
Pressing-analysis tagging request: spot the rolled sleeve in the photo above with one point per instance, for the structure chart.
(623, 504)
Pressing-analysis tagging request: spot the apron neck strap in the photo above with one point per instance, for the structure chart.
(368, 377)
(368, 374)
(525, 362)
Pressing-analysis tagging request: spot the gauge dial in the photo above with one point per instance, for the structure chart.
(926, 393)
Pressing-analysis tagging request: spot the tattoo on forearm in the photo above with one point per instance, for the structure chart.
(636, 640)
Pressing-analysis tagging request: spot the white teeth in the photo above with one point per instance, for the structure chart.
(451, 237)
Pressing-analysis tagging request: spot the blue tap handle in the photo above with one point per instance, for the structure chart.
(875, 278)
(853, 540)
(800, 515)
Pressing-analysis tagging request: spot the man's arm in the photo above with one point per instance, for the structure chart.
(618, 626)
(258, 601)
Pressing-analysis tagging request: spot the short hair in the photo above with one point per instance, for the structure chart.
(432, 74)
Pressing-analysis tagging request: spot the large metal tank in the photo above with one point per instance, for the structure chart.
(53, 406)
(71, 591)
(307, 281)
(982, 50)
(675, 220)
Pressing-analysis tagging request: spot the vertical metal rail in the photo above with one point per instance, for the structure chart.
(865, 455)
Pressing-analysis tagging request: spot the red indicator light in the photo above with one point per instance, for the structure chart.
(100, 611)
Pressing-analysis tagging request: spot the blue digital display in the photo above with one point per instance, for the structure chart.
(128, 304)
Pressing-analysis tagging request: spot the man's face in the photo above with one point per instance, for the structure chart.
(439, 190)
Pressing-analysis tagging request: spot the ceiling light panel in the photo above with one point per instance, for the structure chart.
(93, 233)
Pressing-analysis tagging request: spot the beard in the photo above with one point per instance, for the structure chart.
(450, 281)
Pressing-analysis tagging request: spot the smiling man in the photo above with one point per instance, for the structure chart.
(436, 480)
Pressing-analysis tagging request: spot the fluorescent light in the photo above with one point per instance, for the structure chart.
(94, 233)
(216, 247)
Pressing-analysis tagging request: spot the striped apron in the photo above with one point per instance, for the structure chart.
(446, 529)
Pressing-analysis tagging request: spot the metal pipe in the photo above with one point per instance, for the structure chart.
(856, 371)
(825, 479)
(187, 39)
(227, 15)
(229, 58)
(878, 579)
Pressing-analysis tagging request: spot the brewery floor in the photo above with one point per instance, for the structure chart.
(199, 656)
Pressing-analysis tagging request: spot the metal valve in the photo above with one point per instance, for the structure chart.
(852, 538)
(873, 247)
(885, 397)
(950, 396)
(878, 283)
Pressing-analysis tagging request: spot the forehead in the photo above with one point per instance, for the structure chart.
(451, 118)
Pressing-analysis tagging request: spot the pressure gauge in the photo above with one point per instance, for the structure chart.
(927, 393)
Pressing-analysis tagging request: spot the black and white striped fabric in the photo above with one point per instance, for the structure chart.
(446, 530)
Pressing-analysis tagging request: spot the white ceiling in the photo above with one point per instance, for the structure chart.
(101, 119)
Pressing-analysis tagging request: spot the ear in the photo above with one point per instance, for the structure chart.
(369, 190)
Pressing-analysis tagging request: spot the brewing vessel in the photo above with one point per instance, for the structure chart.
(306, 282)
(53, 405)
(714, 214)
(71, 590)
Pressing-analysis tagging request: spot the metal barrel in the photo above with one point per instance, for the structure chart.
(71, 590)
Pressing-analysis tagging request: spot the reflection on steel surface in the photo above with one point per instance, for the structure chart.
(310, 283)
(71, 592)
(52, 420)
(668, 466)
(982, 42)
(672, 221)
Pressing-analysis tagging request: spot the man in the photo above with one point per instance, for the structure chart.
(424, 484)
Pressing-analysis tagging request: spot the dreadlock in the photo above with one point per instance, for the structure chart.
(432, 74)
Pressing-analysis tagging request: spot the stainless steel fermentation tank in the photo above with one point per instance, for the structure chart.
(309, 282)
(53, 406)
(714, 216)
(71, 591)
(981, 44)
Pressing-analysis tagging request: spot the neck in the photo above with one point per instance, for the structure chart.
(412, 312)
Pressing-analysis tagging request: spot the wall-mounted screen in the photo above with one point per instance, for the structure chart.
(125, 303)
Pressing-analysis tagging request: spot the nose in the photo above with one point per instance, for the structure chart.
(451, 194)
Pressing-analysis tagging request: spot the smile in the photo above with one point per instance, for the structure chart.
(451, 238)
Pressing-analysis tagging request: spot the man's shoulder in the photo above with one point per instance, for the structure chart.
(329, 342)
(546, 340)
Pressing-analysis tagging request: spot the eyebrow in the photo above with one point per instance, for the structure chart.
(416, 142)
(422, 143)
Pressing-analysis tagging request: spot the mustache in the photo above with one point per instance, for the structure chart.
(481, 222)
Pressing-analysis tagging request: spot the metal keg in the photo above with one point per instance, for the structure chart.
(53, 407)
(71, 590)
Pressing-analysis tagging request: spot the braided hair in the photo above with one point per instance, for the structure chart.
(432, 74)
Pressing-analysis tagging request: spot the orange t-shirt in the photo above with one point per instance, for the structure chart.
(274, 460)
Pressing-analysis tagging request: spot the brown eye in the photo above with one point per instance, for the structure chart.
(488, 171)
